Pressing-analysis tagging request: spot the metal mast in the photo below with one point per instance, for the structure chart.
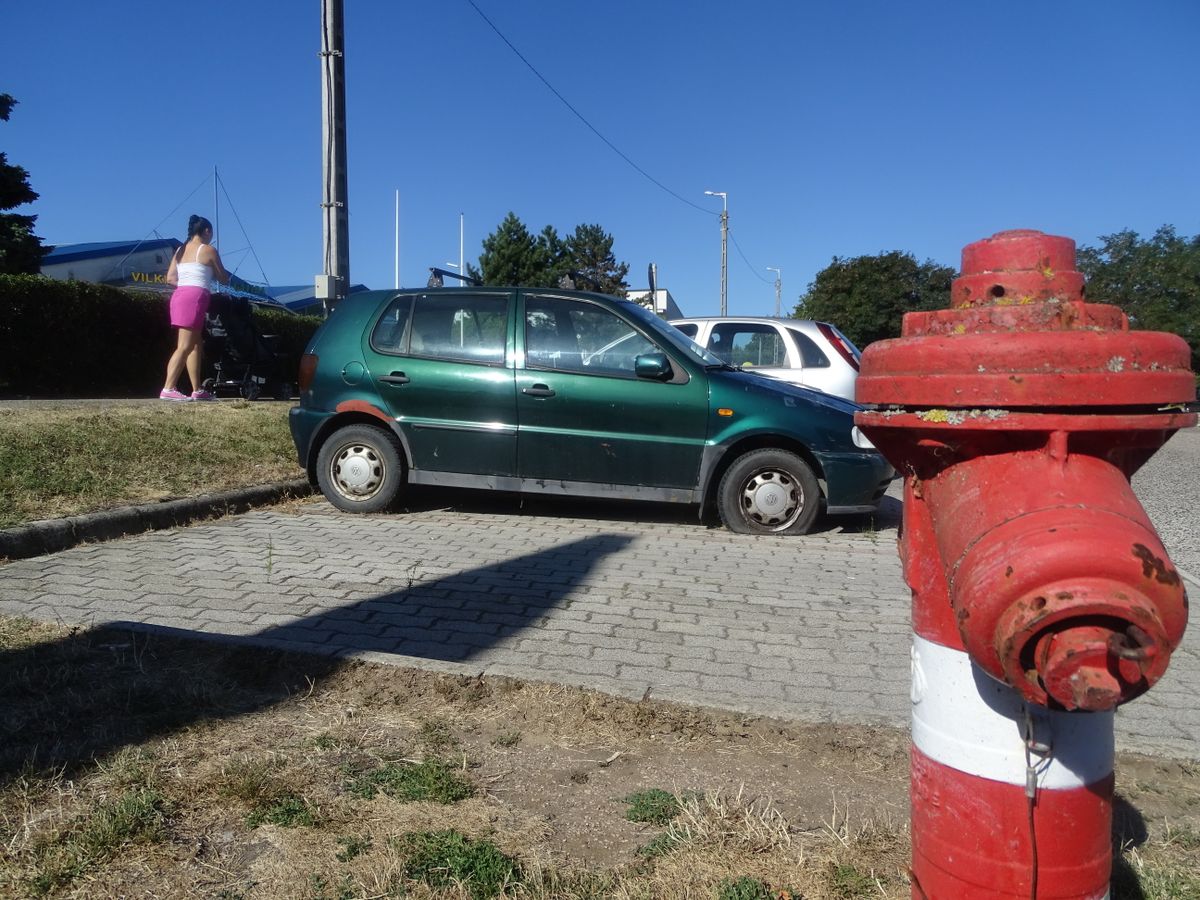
(334, 197)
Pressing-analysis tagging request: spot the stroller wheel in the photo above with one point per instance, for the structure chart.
(285, 390)
(251, 389)
(209, 384)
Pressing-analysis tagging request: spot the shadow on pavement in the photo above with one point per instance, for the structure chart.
(423, 499)
(71, 701)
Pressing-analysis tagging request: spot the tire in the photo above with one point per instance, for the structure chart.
(359, 469)
(285, 390)
(251, 390)
(209, 384)
(769, 492)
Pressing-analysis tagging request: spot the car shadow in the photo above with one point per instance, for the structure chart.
(419, 498)
(75, 700)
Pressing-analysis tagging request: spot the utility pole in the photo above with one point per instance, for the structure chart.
(334, 284)
(778, 288)
(724, 248)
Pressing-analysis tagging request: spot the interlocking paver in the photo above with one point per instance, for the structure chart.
(812, 628)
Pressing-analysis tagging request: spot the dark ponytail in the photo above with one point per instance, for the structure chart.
(196, 224)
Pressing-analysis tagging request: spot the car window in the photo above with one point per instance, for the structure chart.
(689, 328)
(391, 331)
(578, 336)
(749, 344)
(811, 355)
(468, 326)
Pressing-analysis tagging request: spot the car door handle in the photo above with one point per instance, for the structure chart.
(538, 390)
(395, 378)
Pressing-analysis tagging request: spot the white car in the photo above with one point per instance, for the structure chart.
(813, 354)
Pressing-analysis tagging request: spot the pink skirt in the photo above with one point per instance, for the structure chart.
(188, 306)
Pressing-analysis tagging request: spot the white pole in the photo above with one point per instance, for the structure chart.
(461, 270)
(397, 285)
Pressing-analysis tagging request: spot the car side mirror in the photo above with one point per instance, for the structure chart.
(654, 366)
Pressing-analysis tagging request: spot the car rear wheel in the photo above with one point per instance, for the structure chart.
(359, 469)
(769, 492)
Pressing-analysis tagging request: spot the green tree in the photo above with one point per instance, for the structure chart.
(512, 255)
(867, 296)
(1156, 282)
(589, 251)
(21, 251)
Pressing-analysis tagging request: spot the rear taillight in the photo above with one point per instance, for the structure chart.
(308, 368)
(844, 348)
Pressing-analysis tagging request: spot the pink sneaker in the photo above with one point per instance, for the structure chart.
(203, 395)
(173, 394)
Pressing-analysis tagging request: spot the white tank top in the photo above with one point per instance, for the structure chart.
(195, 274)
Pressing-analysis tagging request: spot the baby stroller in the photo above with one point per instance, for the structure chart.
(246, 362)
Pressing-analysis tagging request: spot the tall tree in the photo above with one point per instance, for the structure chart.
(513, 255)
(867, 296)
(1156, 281)
(21, 251)
(588, 251)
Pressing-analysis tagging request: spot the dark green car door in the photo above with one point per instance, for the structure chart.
(439, 363)
(585, 416)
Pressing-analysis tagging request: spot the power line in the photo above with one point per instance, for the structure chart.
(249, 242)
(580, 115)
(746, 261)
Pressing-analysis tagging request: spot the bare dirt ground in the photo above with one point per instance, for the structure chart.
(141, 765)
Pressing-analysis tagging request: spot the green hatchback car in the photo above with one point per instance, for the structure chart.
(565, 392)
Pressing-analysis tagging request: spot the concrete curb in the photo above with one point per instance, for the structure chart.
(53, 535)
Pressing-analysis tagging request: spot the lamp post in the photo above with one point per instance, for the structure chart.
(778, 287)
(724, 247)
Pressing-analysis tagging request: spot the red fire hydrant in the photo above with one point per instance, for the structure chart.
(1042, 596)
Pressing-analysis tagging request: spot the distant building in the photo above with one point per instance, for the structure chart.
(143, 265)
(664, 303)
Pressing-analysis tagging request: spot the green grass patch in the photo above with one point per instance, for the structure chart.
(65, 461)
(286, 812)
(658, 846)
(446, 858)
(508, 739)
(653, 807)
(135, 817)
(352, 846)
(850, 882)
(745, 888)
(430, 779)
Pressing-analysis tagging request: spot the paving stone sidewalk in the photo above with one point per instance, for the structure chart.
(811, 629)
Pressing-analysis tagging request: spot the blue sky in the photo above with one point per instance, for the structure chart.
(835, 128)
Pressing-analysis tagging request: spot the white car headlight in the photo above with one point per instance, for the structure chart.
(860, 439)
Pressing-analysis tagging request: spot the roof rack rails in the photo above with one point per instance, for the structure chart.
(436, 275)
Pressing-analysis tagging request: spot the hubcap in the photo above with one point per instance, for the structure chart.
(358, 471)
(772, 499)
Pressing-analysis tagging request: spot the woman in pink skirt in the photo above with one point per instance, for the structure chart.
(193, 268)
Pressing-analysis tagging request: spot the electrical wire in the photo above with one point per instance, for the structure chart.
(746, 261)
(581, 117)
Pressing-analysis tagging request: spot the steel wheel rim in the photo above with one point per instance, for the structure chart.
(772, 499)
(358, 471)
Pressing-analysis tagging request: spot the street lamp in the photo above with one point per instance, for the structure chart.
(778, 287)
(724, 247)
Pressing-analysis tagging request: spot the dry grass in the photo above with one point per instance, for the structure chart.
(142, 765)
(64, 461)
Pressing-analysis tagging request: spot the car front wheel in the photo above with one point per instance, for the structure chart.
(769, 492)
(359, 469)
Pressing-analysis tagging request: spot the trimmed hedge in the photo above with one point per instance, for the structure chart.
(73, 338)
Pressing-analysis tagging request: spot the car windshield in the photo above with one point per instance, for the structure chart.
(671, 335)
